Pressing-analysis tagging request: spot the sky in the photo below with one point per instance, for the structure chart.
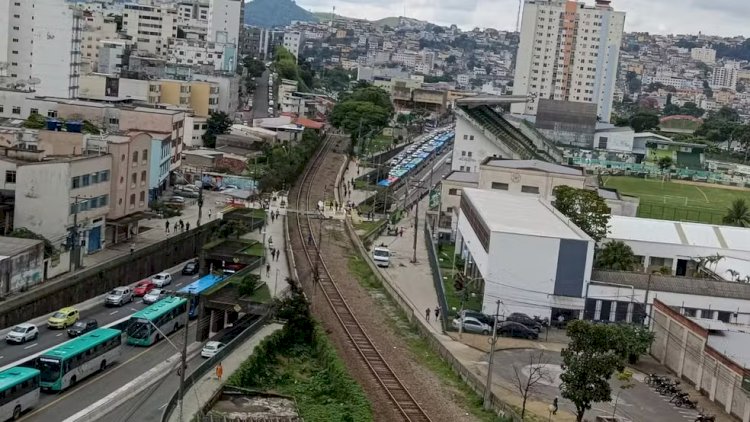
(712, 17)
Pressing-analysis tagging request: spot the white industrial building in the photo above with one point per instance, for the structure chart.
(568, 51)
(527, 255)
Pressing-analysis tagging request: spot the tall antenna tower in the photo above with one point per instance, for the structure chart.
(333, 15)
(518, 17)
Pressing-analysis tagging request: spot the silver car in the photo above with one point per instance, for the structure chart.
(154, 296)
(119, 296)
(472, 325)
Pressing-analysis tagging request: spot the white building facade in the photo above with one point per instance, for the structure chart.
(150, 27)
(293, 41)
(224, 19)
(703, 54)
(568, 51)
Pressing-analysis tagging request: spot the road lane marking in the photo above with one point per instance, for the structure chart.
(134, 310)
(195, 277)
(30, 346)
(163, 406)
(2, 357)
(58, 335)
(114, 312)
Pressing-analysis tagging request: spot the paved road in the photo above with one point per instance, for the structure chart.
(639, 403)
(260, 98)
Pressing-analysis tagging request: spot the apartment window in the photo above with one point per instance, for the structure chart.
(466, 137)
(104, 176)
(468, 154)
(10, 176)
(143, 177)
(142, 198)
(135, 158)
(603, 142)
(471, 137)
(530, 189)
(132, 200)
(463, 153)
(52, 113)
(144, 155)
(94, 178)
(462, 168)
(85, 180)
(454, 192)
(499, 186)
(133, 179)
(104, 200)
(76, 182)
(2, 108)
(16, 110)
(114, 121)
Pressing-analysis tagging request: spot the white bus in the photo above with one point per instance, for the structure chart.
(19, 391)
(76, 359)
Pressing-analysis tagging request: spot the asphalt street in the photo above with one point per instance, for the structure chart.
(260, 98)
(639, 403)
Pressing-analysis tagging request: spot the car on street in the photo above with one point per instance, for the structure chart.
(191, 268)
(175, 199)
(119, 296)
(472, 325)
(82, 327)
(185, 193)
(162, 279)
(143, 287)
(486, 319)
(525, 320)
(63, 318)
(22, 333)
(154, 296)
(515, 329)
(211, 348)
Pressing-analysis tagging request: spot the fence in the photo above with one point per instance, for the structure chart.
(664, 212)
(437, 275)
(210, 363)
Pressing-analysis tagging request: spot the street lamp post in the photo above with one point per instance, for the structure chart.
(488, 387)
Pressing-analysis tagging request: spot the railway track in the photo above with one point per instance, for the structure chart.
(305, 204)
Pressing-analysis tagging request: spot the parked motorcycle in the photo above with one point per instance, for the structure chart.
(679, 396)
(705, 418)
(686, 402)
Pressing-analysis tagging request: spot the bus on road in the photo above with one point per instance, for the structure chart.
(76, 359)
(19, 391)
(168, 314)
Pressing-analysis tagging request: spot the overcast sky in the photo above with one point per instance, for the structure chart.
(715, 17)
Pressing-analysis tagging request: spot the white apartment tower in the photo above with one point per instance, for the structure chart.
(41, 45)
(568, 51)
(293, 41)
(150, 27)
(224, 21)
(703, 54)
(725, 76)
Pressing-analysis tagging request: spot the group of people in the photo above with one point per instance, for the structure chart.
(428, 311)
(178, 225)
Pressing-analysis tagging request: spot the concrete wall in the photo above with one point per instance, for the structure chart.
(129, 196)
(470, 140)
(22, 270)
(94, 281)
(546, 182)
(680, 345)
(60, 143)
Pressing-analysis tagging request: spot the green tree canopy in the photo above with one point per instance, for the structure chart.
(255, 68)
(738, 214)
(50, 250)
(665, 163)
(615, 255)
(585, 208)
(218, 123)
(642, 122)
(371, 94)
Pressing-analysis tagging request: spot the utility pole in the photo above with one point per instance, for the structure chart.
(200, 201)
(416, 225)
(183, 360)
(75, 241)
(488, 387)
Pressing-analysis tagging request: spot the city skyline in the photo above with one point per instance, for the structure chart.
(721, 17)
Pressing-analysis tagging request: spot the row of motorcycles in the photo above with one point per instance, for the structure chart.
(667, 387)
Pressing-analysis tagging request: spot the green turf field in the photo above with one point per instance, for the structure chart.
(676, 201)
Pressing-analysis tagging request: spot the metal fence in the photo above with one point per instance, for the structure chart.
(437, 275)
(210, 363)
(665, 212)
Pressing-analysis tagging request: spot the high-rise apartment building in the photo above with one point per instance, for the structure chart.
(703, 54)
(725, 76)
(224, 21)
(568, 51)
(150, 26)
(41, 45)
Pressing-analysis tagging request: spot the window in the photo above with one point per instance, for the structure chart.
(471, 137)
(16, 110)
(94, 178)
(143, 177)
(144, 155)
(132, 200)
(529, 189)
(10, 176)
(52, 113)
(142, 198)
(469, 154)
(466, 137)
(499, 186)
(603, 142)
(76, 182)
(104, 176)
(34, 111)
(85, 180)
(103, 200)
(133, 179)
(135, 158)
(454, 192)
(463, 153)
(114, 121)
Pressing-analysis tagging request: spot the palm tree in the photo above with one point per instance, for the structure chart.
(738, 214)
(735, 274)
(616, 255)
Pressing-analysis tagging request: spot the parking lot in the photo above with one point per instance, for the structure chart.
(639, 403)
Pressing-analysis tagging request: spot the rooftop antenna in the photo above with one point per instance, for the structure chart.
(518, 16)
(333, 15)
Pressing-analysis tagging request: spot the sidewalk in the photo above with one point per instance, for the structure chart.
(207, 386)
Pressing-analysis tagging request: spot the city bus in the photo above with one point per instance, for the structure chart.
(65, 365)
(168, 314)
(19, 391)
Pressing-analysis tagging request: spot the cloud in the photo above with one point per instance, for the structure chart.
(715, 17)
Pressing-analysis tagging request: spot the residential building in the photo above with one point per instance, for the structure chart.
(97, 27)
(568, 51)
(528, 256)
(224, 19)
(159, 166)
(110, 55)
(150, 26)
(216, 55)
(201, 97)
(293, 40)
(725, 76)
(21, 264)
(703, 54)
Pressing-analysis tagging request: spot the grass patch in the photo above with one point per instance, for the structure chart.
(363, 185)
(255, 249)
(418, 345)
(671, 200)
(472, 297)
(262, 294)
(366, 225)
(377, 144)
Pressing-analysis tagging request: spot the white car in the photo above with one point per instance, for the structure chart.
(22, 333)
(472, 325)
(154, 296)
(211, 348)
(162, 279)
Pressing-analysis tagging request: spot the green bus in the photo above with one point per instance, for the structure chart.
(19, 391)
(168, 315)
(76, 359)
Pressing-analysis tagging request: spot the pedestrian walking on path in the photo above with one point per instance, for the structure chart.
(277, 213)
(554, 406)
(427, 314)
(166, 227)
(187, 226)
(209, 214)
(277, 254)
(132, 248)
(219, 371)
(437, 312)
(268, 270)
(309, 239)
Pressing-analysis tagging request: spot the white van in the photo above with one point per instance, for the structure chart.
(382, 256)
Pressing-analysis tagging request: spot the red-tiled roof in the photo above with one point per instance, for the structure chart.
(310, 124)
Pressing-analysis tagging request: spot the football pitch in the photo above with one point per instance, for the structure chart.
(669, 200)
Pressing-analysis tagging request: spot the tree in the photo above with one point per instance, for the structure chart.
(248, 284)
(630, 341)
(616, 255)
(585, 208)
(738, 214)
(588, 364)
(451, 60)
(527, 378)
(255, 67)
(218, 123)
(641, 122)
(665, 163)
(50, 251)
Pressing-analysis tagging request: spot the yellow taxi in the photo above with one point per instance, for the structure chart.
(63, 318)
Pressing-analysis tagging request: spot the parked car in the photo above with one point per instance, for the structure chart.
(119, 296)
(472, 325)
(191, 268)
(154, 296)
(515, 329)
(175, 198)
(162, 279)
(22, 333)
(63, 318)
(143, 287)
(525, 320)
(82, 327)
(184, 193)
(211, 348)
(483, 318)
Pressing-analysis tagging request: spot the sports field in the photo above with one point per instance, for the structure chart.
(669, 200)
